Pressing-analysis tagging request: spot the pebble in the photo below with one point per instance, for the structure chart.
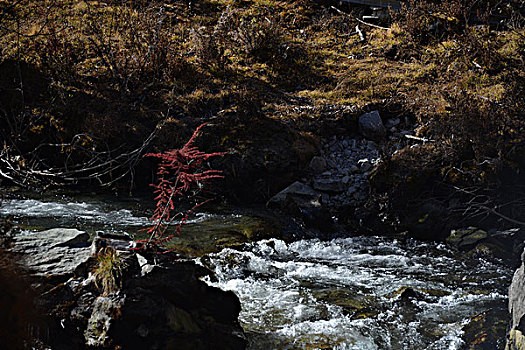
(354, 169)
(392, 122)
(317, 164)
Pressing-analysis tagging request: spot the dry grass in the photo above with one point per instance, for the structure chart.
(120, 66)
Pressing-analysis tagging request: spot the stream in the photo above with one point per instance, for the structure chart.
(346, 293)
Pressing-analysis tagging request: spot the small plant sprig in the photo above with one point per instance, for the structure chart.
(108, 273)
(179, 173)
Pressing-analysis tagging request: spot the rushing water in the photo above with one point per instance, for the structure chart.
(347, 293)
(87, 215)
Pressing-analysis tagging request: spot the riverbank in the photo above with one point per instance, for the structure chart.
(80, 294)
(277, 82)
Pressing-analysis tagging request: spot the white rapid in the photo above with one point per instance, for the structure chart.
(348, 293)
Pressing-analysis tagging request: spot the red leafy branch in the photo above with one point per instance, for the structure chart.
(180, 171)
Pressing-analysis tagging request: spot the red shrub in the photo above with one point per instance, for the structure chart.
(179, 173)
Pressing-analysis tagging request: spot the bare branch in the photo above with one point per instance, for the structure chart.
(100, 165)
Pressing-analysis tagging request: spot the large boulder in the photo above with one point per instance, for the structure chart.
(516, 335)
(167, 307)
(54, 254)
(170, 306)
(371, 126)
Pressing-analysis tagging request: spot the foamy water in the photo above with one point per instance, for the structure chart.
(345, 293)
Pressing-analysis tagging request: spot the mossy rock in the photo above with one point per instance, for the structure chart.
(488, 249)
(418, 293)
(467, 238)
(357, 305)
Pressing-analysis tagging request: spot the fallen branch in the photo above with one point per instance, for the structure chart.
(361, 34)
(480, 204)
(423, 139)
(493, 211)
(359, 20)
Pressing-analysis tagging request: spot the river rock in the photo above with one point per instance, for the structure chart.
(165, 307)
(467, 238)
(99, 324)
(516, 335)
(55, 254)
(299, 194)
(371, 126)
(485, 330)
